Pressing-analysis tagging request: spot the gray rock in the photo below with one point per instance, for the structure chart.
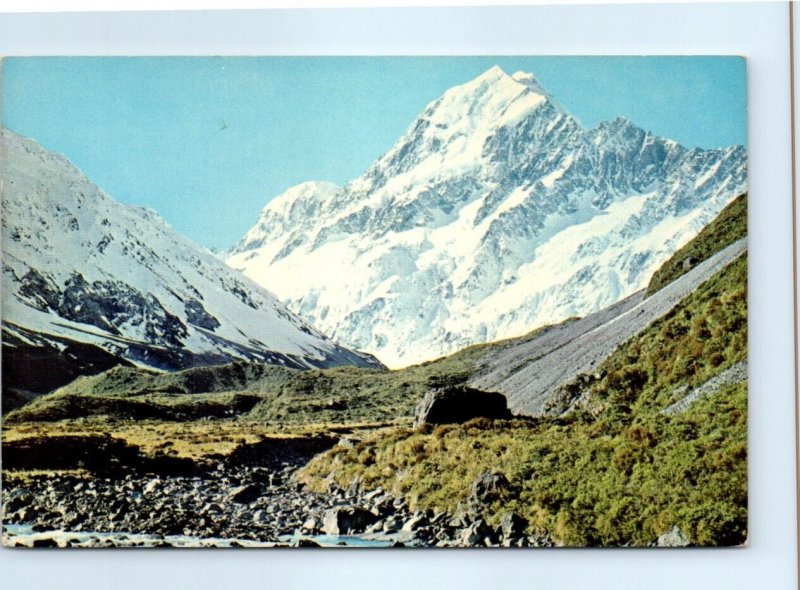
(17, 502)
(487, 488)
(151, 486)
(45, 542)
(384, 506)
(392, 524)
(311, 524)
(413, 523)
(344, 520)
(302, 542)
(458, 521)
(674, 537)
(369, 496)
(475, 534)
(26, 514)
(450, 405)
(422, 536)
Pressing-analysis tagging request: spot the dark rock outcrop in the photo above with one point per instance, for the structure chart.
(33, 366)
(110, 304)
(449, 405)
(487, 488)
(197, 315)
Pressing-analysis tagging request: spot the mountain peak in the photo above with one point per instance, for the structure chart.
(496, 76)
(499, 80)
(493, 99)
(494, 213)
(491, 75)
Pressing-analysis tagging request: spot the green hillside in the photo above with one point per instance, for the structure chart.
(616, 471)
(261, 393)
(730, 225)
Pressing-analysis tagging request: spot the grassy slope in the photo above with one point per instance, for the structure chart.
(615, 471)
(260, 393)
(729, 226)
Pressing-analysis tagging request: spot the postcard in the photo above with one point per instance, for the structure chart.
(374, 302)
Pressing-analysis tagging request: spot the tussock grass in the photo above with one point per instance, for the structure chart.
(192, 440)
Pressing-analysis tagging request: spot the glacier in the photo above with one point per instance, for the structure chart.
(494, 213)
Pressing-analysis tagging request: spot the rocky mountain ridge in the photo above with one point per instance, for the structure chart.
(79, 267)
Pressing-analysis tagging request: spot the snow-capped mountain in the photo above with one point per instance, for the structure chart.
(494, 213)
(82, 269)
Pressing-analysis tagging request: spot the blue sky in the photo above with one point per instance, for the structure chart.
(207, 142)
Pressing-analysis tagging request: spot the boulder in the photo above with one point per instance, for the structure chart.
(344, 520)
(369, 496)
(392, 524)
(475, 534)
(151, 486)
(245, 494)
(413, 523)
(449, 405)
(674, 537)
(310, 525)
(487, 488)
(17, 501)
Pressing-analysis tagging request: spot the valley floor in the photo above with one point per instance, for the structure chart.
(248, 497)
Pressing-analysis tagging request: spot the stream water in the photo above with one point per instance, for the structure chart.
(25, 535)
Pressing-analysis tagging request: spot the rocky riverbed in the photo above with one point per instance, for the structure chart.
(241, 506)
